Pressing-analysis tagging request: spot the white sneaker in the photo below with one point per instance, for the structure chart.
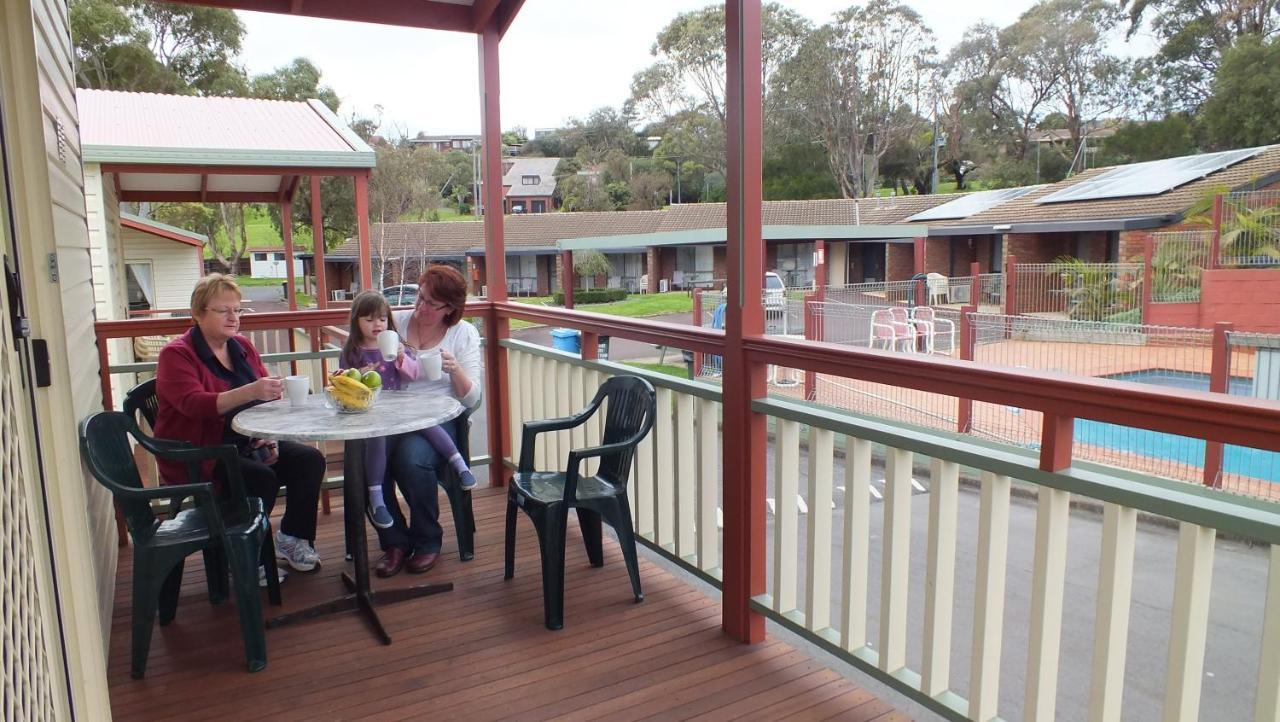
(281, 575)
(296, 552)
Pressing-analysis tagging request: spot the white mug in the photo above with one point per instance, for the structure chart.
(296, 388)
(431, 364)
(389, 345)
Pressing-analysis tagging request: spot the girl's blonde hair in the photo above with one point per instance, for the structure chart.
(367, 303)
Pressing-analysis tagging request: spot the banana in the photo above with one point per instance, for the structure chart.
(353, 387)
(351, 393)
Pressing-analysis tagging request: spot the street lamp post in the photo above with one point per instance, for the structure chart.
(679, 159)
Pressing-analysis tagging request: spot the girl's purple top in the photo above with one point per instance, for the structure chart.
(394, 377)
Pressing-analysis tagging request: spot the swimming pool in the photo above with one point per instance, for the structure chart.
(1181, 449)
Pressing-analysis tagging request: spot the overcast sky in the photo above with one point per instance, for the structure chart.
(560, 59)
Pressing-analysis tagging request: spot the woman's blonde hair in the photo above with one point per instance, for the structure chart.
(210, 286)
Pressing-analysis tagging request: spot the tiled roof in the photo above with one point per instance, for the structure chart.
(1170, 203)
(543, 168)
(187, 122)
(542, 230)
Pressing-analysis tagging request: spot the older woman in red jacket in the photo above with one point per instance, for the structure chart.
(203, 379)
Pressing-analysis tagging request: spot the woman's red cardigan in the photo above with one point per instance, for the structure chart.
(188, 391)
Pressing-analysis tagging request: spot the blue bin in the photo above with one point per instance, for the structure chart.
(566, 339)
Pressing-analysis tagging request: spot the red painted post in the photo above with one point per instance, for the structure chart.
(697, 321)
(1148, 276)
(964, 414)
(1219, 381)
(1056, 436)
(1011, 286)
(745, 440)
(1215, 241)
(975, 291)
(566, 277)
(917, 255)
(497, 329)
(317, 243)
(362, 231)
(290, 288)
(590, 346)
(286, 229)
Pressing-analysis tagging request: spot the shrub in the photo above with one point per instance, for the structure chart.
(591, 295)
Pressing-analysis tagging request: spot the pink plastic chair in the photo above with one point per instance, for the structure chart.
(890, 331)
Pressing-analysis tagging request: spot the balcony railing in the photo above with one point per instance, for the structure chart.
(888, 592)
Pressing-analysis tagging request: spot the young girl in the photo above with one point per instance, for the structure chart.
(370, 316)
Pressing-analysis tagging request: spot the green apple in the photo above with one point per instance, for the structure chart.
(353, 374)
(371, 379)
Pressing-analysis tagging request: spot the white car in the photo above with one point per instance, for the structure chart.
(775, 292)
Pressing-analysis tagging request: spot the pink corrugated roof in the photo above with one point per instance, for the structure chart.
(114, 118)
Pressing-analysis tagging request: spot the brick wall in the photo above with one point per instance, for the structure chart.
(477, 265)
(720, 265)
(1039, 247)
(937, 255)
(1249, 298)
(1184, 315)
(899, 265)
(652, 264)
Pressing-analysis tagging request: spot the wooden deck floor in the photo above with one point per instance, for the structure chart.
(479, 652)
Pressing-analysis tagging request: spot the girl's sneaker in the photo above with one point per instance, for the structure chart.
(380, 517)
(468, 480)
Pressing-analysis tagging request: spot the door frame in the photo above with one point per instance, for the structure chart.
(84, 630)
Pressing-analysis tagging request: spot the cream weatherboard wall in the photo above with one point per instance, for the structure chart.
(174, 269)
(102, 213)
(42, 148)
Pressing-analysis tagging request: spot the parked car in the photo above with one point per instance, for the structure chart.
(775, 292)
(403, 295)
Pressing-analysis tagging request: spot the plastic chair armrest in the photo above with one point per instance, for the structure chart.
(532, 428)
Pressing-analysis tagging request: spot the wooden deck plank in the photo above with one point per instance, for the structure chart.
(478, 652)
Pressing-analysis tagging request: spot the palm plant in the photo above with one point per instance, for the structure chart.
(1095, 290)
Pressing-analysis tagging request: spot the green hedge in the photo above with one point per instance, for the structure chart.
(592, 295)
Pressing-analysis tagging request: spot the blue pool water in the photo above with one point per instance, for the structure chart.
(1235, 459)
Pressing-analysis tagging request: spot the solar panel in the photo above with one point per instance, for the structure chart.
(1150, 178)
(972, 203)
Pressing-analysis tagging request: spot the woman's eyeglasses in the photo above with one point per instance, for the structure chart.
(427, 303)
(229, 312)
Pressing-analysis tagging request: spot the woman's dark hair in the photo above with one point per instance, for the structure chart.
(367, 303)
(445, 285)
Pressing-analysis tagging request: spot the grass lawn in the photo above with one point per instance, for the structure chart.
(633, 306)
(251, 281)
(677, 370)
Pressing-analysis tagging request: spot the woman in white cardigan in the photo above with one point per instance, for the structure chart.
(434, 324)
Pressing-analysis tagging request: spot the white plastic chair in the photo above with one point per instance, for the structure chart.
(890, 331)
(936, 287)
(927, 320)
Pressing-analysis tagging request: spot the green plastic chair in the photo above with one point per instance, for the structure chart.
(160, 546)
(630, 407)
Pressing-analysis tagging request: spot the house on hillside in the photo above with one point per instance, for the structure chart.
(529, 185)
(444, 143)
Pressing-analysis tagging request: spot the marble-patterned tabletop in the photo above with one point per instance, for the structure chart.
(395, 412)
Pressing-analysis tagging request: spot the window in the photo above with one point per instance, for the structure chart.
(277, 256)
(539, 206)
(522, 274)
(530, 180)
(457, 144)
(795, 263)
(139, 287)
(694, 266)
(259, 256)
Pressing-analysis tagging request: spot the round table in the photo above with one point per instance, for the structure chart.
(395, 412)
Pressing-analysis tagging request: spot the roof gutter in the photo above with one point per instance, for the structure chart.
(1105, 224)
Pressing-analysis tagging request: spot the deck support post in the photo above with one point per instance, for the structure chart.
(744, 460)
(496, 329)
